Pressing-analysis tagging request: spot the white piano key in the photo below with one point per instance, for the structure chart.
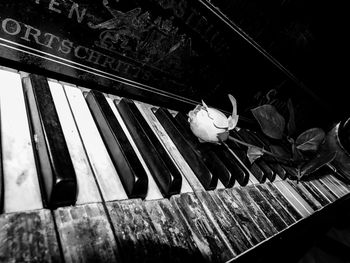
(190, 182)
(100, 161)
(87, 188)
(153, 190)
(21, 185)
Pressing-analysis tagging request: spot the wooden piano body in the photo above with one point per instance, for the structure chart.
(94, 168)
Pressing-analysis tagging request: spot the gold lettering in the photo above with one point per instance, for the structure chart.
(51, 39)
(94, 57)
(65, 47)
(52, 5)
(76, 52)
(31, 31)
(109, 61)
(13, 29)
(75, 8)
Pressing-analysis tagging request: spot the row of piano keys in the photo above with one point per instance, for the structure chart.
(145, 189)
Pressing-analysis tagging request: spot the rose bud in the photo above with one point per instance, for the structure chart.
(208, 123)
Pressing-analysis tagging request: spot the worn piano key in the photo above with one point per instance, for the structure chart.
(252, 231)
(322, 189)
(276, 204)
(268, 210)
(344, 189)
(28, 237)
(305, 194)
(135, 232)
(153, 191)
(294, 198)
(56, 169)
(211, 244)
(20, 181)
(259, 217)
(284, 201)
(190, 182)
(316, 194)
(88, 191)
(224, 221)
(1, 176)
(242, 135)
(176, 175)
(168, 183)
(211, 160)
(103, 168)
(85, 234)
(208, 180)
(130, 170)
(170, 231)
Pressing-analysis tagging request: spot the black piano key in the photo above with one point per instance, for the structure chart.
(176, 179)
(271, 161)
(168, 184)
(259, 217)
(242, 155)
(56, 172)
(211, 160)
(130, 170)
(281, 210)
(283, 201)
(208, 180)
(265, 207)
(269, 173)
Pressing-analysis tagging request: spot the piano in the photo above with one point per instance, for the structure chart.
(98, 163)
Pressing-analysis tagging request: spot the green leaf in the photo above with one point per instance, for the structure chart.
(254, 153)
(271, 122)
(291, 121)
(316, 163)
(310, 139)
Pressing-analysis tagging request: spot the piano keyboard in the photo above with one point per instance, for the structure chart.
(91, 177)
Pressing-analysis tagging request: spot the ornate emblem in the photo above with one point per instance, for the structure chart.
(135, 34)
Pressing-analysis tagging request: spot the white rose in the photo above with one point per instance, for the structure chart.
(207, 123)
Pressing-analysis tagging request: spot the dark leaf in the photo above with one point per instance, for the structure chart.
(310, 140)
(316, 163)
(271, 122)
(254, 153)
(291, 121)
(279, 151)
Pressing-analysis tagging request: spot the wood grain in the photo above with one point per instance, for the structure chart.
(28, 237)
(85, 234)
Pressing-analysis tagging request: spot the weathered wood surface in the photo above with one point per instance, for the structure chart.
(85, 234)
(240, 213)
(28, 237)
(135, 233)
(172, 234)
(208, 239)
(224, 220)
(306, 195)
(281, 210)
(270, 213)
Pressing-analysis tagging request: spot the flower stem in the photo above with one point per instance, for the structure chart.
(261, 149)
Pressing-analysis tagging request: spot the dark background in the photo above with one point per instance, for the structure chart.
(306, 37)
